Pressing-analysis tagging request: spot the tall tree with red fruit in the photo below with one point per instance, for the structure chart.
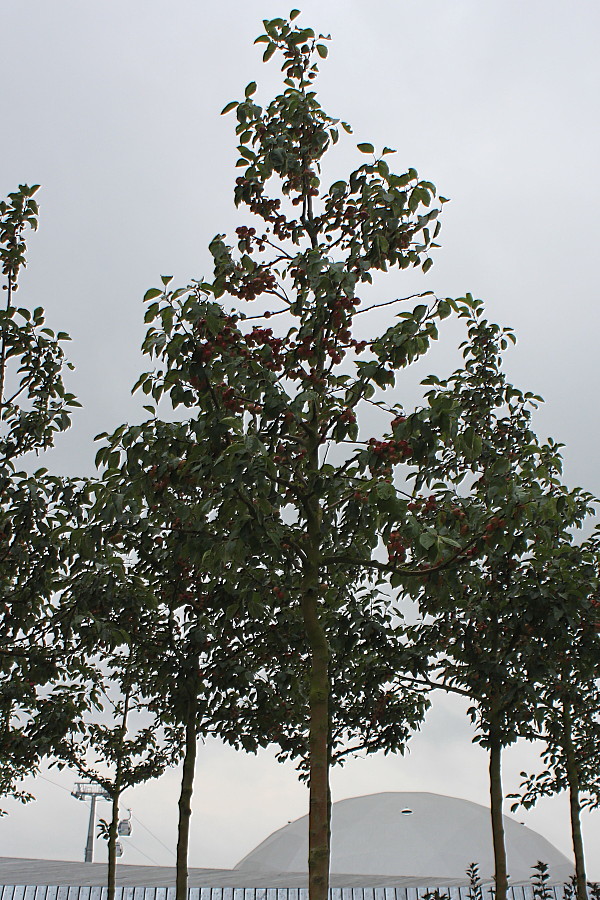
(305, 498)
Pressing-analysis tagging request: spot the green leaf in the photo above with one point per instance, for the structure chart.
(294, 14)
(322, 50)
(166, 279)
(366, 148)
(229, 107)
(427, 264)
(271, 48)
(251, 88)
(385, 491)
(472, 443)
(151, 312)
(151, 293)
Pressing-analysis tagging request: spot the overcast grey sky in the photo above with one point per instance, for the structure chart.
(113, 107)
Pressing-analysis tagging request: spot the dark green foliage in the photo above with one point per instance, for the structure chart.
(34, 407)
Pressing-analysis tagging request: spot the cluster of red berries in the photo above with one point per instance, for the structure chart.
(263, 337)
(219, 343)
(244, 233)
(428, 504)
(341, 316)
(459, 513)
(495, 524)
(345, 303)
(231, 401)
(282, 228)
(305, 349)
(396, 547)
(310, 377)
(391, 451)
(225, 338)
(247, 239)
(251, 285)
(348, 416)
(268, 210)
(199, 383)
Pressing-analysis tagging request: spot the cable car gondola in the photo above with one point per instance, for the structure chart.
(124, 827)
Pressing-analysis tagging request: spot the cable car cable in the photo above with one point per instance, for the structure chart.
(133, 847)
(55, 783)
(152, 834)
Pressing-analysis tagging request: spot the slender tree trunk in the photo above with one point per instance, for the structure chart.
(112, 843)
(572, 771)
(320, 801)
(320, 798)
(496, 799)
(117, 791)
(185, 800)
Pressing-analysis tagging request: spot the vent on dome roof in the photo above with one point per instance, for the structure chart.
(407, 812)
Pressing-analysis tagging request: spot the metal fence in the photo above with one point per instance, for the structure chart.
(47, 892)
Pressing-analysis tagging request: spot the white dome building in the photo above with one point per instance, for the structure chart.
(410, 835)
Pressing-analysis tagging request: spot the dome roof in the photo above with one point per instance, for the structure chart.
(409, 834)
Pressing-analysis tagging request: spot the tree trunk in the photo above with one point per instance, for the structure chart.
(575, 807)
(319, 810)
(496, 799)
(112, 844)
(118, 790)
(185, 800)
(320, 799)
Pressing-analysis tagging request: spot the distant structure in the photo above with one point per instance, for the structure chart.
(392, 846)
(421, 836)
(87, 790)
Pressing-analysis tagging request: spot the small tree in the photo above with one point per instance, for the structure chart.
(116, 744)
(34, 407)
(568, 712)
(539, 882)
(488, 620)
